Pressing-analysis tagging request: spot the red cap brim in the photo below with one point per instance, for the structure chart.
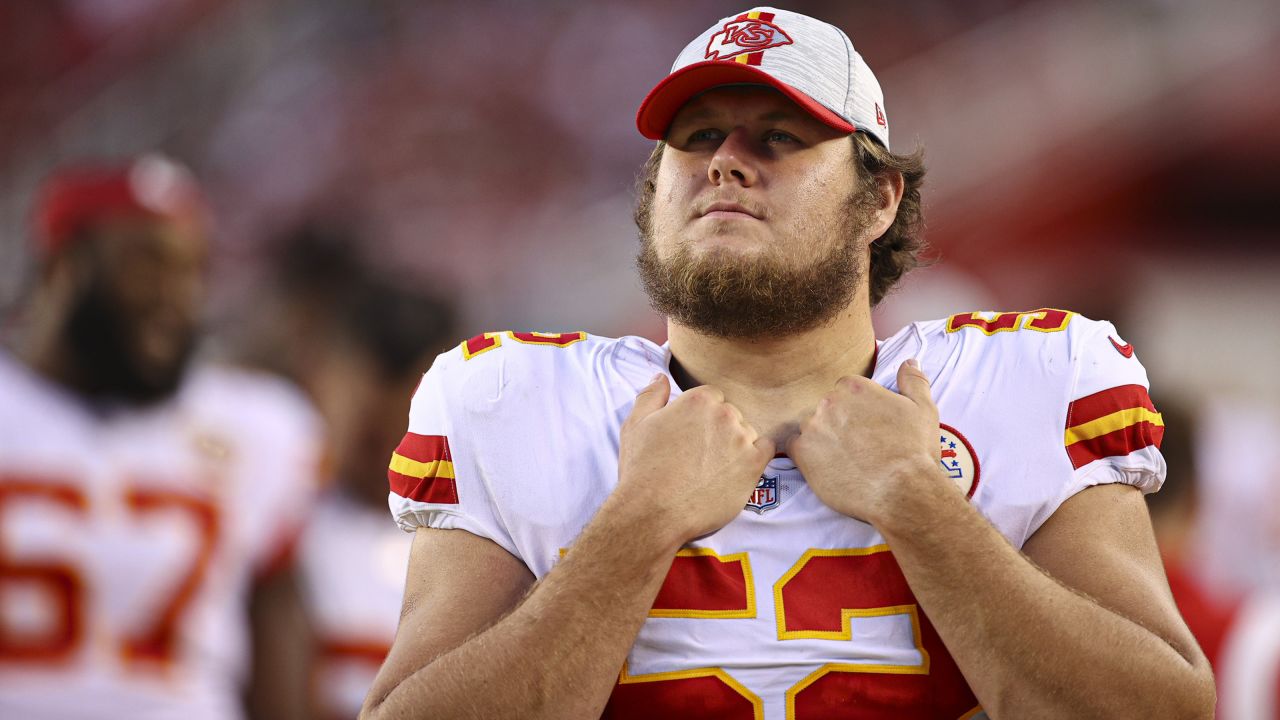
(667, 97)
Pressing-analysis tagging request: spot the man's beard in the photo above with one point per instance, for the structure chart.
(726, 295)
(98, 333)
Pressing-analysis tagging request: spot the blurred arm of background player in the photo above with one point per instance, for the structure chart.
(280, 686)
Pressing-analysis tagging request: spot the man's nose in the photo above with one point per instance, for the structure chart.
(735, 161)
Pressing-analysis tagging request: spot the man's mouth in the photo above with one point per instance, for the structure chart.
(726, 209)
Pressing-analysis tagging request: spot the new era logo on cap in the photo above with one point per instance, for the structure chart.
(811, 62)
(746, 35)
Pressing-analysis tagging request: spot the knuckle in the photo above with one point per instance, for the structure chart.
(701, 395)
(724, 412)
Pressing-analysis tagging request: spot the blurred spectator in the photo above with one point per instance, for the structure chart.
(354, 561)
(1239, 632)
(148, 503)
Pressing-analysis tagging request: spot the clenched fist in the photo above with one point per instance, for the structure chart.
(864, 445)
(693, 461)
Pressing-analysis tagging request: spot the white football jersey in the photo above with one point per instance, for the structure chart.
(792, 610)
(129, 539)
(352, 564)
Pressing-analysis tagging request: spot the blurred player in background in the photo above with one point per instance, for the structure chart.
(148, 504)
(774, 515)
(1239, 632)
(352, 560)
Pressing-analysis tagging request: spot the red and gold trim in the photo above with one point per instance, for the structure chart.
(826, 591)
(487, 341)
(422, 469)
(561, 340)
(480, 343)
(1114, 422)
(754, 58)
(715, 692)
(1045, 320)
(703, 584)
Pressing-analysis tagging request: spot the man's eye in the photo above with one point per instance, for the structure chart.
(705, 135)
(777, 136)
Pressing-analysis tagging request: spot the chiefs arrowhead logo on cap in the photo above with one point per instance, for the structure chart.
(745, 35)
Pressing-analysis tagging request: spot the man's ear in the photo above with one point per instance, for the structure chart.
(889, 188)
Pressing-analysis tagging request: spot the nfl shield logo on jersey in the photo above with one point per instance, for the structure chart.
(958, 459)
(765, 496)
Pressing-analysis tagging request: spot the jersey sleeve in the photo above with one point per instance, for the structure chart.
(436, 474)
(1113, 430)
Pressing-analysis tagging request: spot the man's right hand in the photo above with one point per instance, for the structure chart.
(694, 461)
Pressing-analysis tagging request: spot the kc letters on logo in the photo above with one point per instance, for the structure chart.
(745, 36)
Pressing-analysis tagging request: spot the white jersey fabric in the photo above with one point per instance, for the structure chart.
(352, 564)
(791, 610)
(129, 539)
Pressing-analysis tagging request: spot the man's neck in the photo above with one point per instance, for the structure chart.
(776, 382)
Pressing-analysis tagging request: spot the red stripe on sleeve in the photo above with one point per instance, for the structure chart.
(424, 448)
(428, 490)
(1115, 444)
(1101, 404)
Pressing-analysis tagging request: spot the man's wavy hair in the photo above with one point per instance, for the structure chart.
(894, 254)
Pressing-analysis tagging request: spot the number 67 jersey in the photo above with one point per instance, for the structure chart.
(129, 540)
(791, 610)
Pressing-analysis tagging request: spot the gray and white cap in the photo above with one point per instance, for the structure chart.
(809, 61)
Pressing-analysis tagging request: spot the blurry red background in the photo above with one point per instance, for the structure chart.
(1115, 158)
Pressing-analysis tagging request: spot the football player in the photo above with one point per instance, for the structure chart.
(352, 561)
(147, 504)
(1238, 632)
(773, 515)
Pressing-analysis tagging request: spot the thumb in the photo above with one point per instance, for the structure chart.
(913, 384)
(651, 399)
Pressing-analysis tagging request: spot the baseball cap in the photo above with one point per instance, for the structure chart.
(811, 62)
(148, 186)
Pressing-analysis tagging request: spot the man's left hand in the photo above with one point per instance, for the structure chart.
(865, 445)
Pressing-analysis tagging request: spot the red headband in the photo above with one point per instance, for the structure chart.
(150, 186)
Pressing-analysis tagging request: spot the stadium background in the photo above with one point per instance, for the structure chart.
(1114, 158)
